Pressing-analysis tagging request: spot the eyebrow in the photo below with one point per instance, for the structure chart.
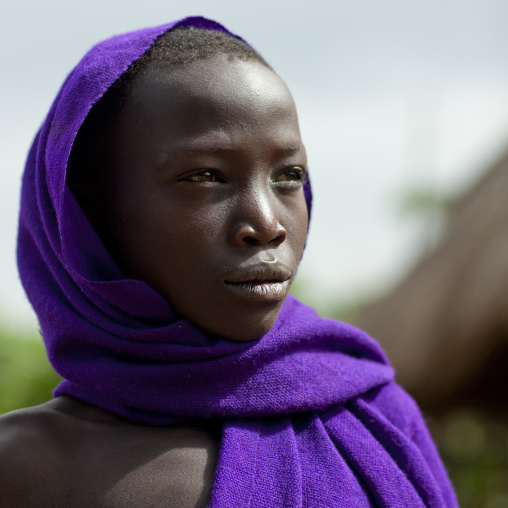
(213, 148)
(204, 148)
(291, 149)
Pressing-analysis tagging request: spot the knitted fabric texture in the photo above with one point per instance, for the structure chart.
(311, 414)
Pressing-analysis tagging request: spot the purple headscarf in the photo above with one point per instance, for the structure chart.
(311, 414)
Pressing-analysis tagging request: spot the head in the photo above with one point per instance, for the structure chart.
(191, 169)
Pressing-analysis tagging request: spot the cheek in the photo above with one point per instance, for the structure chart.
(181, 240)
(298, 222)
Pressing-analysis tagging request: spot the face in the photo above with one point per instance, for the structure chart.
(206, 198)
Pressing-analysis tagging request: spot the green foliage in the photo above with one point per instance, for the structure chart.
(423, 201)
(339, 309)
(474, 448)
(26, 377)
(342, 310)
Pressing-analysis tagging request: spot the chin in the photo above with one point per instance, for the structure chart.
(245, 330)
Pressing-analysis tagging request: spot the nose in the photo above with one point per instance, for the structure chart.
(256, 221)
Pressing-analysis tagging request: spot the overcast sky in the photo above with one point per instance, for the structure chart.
(391, 94)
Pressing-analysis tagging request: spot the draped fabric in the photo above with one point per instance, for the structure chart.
(312, 416)
(374, 450)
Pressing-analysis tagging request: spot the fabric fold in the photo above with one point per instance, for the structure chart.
(299, 426)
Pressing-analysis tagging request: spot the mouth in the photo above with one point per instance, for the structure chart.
(260, 283)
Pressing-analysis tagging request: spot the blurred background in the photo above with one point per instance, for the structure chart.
(404, 112)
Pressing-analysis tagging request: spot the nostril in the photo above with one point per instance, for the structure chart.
(255, 234)
(280, 237)
(250, 240)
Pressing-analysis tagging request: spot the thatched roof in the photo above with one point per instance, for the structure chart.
(445, 326)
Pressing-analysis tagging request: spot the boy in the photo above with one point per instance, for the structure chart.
(164, 212)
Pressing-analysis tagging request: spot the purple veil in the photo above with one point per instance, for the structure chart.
(311, 414)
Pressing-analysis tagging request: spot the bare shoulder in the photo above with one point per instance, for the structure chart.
(28, 460)
(67, 453)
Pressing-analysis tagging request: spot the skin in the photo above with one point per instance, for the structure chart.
(206, 188)
(205, 203)
(67, 454)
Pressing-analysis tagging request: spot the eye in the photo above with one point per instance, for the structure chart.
(203, 176)
(294, 174)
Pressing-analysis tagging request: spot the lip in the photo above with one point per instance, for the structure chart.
(260, 282)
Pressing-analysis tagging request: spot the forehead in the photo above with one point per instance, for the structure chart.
(211, 91)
